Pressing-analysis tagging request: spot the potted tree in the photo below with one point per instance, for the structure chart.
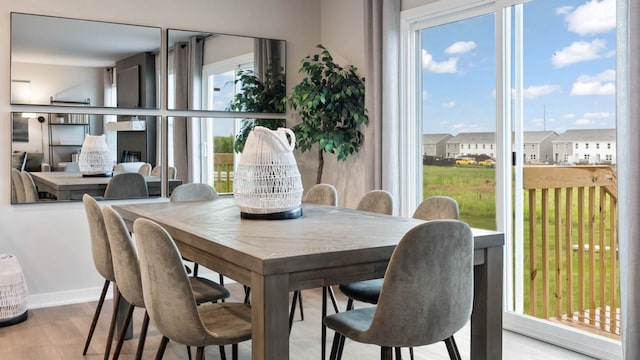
(330, 101)
(258, 96)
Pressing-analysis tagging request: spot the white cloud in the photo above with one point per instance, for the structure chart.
(607, 75)
(594, 17)
(599, 84)
(569, 116)
(533, 92)
(425, 95)
(448, 66)
(598, 115)
(579, 51)
(449, 105)
(583, 122)
(460, 47)
(564, 10)
(457, 126)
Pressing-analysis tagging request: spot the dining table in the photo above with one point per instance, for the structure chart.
(72, 185)
(325, 246)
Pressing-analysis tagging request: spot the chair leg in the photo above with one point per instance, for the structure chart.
(234, 352)
(350, 304)
(247, 295)
(162, 347)
(112, 326)
(333, 299)
(189, 351)
(301, 309)
(398, 353)
(386, 353)
(223, 354)
(333, 355)
(411, 353)
(200, 353)
(123, 331)
(341, 346)
(293, 308)
(96, 315)
(452, 348)
(323, 337)
(143, 336)
(221, 283)
(195, 268)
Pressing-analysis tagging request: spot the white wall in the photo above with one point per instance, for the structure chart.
(51, 241)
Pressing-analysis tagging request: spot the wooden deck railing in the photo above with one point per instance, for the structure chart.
(572, 246)
(223, 167)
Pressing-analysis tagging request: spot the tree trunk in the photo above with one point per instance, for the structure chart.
(320, 166)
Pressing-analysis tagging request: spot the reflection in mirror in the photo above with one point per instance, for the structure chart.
(201, 150)
(47, 147)
(62, 61)
(219, 72)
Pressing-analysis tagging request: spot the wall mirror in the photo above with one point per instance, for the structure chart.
(61, 61)
(47, 146)
(201, 150)
(220, 72)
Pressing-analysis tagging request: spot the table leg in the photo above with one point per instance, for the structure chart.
(486, 318)
(270, 317)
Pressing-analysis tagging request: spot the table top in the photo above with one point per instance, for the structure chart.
(62, 180)
(325, 236)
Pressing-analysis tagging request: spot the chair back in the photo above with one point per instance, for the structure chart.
(30, 191)
(100, 248)
(127, 186)
(167, 293)
(123, 255)
(427, 292)
(437, 207)
(193, 192)
(377, 201)
(145, 169)
(321, 194)
(16, 181)
(157, 171)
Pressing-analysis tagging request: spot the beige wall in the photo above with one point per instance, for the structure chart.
(51, 240)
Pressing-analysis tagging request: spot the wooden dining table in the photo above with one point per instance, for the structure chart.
(325, 246)
(72, 185)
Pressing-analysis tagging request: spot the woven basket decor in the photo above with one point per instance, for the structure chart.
(13, 289)
(267, 180)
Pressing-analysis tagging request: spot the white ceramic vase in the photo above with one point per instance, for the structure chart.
(95, 156)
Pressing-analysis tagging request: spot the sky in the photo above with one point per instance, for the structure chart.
(569, 69)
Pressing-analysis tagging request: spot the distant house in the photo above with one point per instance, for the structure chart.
(589, 146)
(435, 145)
(537, 147)
(466, 144)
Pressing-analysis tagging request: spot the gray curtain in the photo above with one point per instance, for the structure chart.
(628, 147)
(187, 69)
(266, 52)
(382, 52)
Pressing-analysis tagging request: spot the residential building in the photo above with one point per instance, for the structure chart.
(466, 144)
(435, 145)
(588, 146)
(537, 147)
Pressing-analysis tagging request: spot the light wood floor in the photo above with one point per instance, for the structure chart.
(59, 333)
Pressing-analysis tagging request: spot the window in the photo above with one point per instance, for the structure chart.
(608, 145)
(576, 146)
(597, 145)
(586, 146)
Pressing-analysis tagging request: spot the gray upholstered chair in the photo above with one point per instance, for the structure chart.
(127, 274)
(322, 194)
(30, 190)
(169, 299)
(193, 192)
(101, 253)
(157, 171)
(17, 185)
(126, 186)
(368, 291)
(145, 169)
(426, 296)
(437, 207)
(377, 201)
